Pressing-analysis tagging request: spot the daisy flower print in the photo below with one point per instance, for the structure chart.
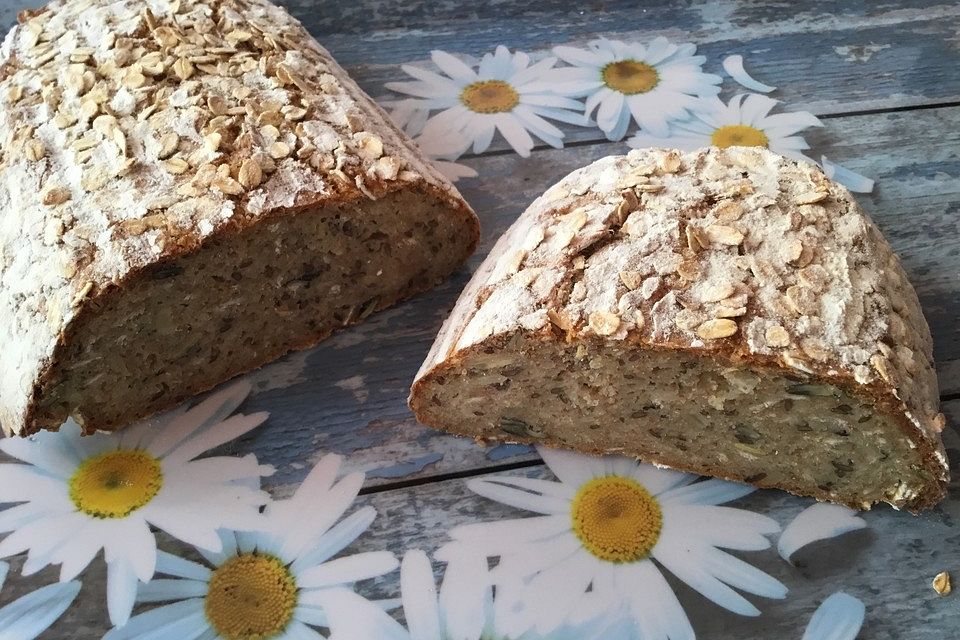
(601, 528)
(28, 616)
(651, 84)
(745, 121)
(504, 93)
(270, 584)
(78, 495)
(464, 608)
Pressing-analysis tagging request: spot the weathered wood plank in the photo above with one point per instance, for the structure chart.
(889, 565)
(348, 395)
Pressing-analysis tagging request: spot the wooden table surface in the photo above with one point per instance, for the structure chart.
(883, 76)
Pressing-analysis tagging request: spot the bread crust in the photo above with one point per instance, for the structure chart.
(605, 255)
(136, 138)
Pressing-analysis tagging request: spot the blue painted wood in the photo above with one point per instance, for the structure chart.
(348, 394)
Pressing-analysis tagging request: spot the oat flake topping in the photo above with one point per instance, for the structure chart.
(738, 251)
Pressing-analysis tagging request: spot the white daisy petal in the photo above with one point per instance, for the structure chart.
(729, 528)
(30, 615)
(453, 67)
(741, 575)
(571, 468)
(45, 533)
(539, 556)
(427, 77)
(172, 565)
(121, 590)
(819, 521)
(419, 595)
(554, 592)
(336, 539)
(423, 90)
(296, 630)
(850, 179)
(15, 517)
(514, 133)
(755, 108)
(687, 564)
(162, 590)
(712, 491)
(657, 480)
(482, 132)
(542, 71)
(787, 124)
(838, 618)
(489, 536)
(212, 410)
(493, 489)
(163, 622)
(609, 112)
(463, 595)
(733, 65)
(620, 128)
(43, 487)
(348, 570)
(580, 57)
(305, 527)
(315, 616)
(85, 544)
(132, 540)
(46, 453)
(228, 430)
(355, 618)
(653, 602)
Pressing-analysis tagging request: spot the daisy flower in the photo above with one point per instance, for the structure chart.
(602, 526)
(79, 495)
(464, 609)
(653, 84)
(30, 615)
(504, 93)
(745, 121)
(269, 584)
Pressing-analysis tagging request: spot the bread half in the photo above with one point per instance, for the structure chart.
(728, 312)
(189, 191)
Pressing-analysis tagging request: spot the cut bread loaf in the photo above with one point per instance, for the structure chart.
(726, 312)
(188, 191)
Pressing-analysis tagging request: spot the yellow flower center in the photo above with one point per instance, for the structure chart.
(490, 96)
(116, 483)
(251, 597)
(630, 76)
(616, 519)
(738, 135)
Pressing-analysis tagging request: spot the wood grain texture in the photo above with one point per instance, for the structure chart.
(895, 58)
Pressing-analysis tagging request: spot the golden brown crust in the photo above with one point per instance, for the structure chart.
(739, 254)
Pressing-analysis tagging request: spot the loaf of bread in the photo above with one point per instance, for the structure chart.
(726, 312)
(190, 189)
